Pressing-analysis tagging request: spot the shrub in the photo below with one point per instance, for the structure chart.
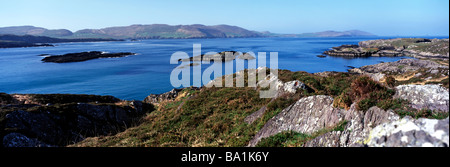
(395, 104)
(365, 104)
(390, 81)
(363, 86)
(280, 103)
(343, 101)
(366, 92)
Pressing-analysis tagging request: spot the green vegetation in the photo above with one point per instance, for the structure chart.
(332, 85)
(439, 47)
(211, 117)
(402, 108)
(390, 81)
(214, 117)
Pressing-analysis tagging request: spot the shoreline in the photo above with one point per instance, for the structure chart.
(325, 71)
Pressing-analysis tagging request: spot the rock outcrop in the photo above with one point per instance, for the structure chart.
(359, 125)
(166, 97)
(433, 97)
(157, 98)
(307, 115)
(288, 88)
(312, 114)
(66, 121)
(407, 71)
(408, 132)
(362, 126)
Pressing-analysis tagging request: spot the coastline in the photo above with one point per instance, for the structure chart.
(342, 104)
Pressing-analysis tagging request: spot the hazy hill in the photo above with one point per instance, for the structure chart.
(139, 32)
(164, 31)
(36, 31)
(351, 33)
(168, 31)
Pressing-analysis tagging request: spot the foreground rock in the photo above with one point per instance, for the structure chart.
(307, 115)
(25, 122)
(311, 115)
(359, 125)
(408, 132)
(84, 56)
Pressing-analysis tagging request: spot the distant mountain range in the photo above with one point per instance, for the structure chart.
(154, 31)
(351, 33)
(163, 31)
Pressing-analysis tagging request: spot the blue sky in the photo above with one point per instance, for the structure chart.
(381, 17)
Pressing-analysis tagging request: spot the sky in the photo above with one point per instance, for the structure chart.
(380, 17)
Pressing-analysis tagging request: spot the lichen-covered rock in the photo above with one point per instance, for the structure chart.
(307, 115)
(330, 139)
(359, 125)
(293, 86)
(377, 76)
(408, 132)
(433, 97)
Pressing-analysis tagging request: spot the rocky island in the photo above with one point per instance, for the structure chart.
(84, 56)
(412, 47)
(222, 56)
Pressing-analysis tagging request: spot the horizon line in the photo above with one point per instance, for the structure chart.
(328, 30)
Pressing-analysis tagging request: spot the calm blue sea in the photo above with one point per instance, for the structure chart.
(135, 77)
